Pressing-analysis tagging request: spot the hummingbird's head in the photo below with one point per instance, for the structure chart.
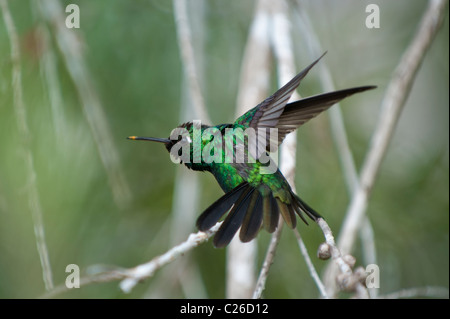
(179, 143)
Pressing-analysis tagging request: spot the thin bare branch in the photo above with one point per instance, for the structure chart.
(241, 265)
(339, 136)
(24, 132)
(337, 125)
(187, 184)
(253, 87)
(70, 46)
(188, 59)
(283, 47)
(309, 264)
(392, 105)
(131, 276)
(108, 276)
(255, 70)
(347, 280)
(268, 260)
(49, 74)
(141, 272)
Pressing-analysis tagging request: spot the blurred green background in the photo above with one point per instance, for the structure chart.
(131, 53)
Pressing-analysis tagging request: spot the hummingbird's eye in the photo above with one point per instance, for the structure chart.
(186, 139)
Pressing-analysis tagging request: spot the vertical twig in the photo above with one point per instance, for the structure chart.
(337, 126)
(49, 74)
(282, 46)
(392, 105)
(282, 42)
(21, 117)
(268, 260)
(70, 46)
(188, 59)
(309, 264)
(339, 137)
(187, 184)
(255, 70)
(253, 85)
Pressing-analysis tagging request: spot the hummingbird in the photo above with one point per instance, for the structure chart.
(256, 197)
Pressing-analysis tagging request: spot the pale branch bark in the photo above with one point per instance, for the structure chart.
(50, 78)
(25, 137)
(268, 260)
(337, 126)
(310, 265)
(183, 275)
(253, 87)
(339, 136)
(132, 276)
(347, 280)
(138, 273)
(282, 43)
(187, 184)
(108, 276)
(188, 59)
(70, 45)
(240, 269)
(255, 69)
(392, 105)
(280, 40)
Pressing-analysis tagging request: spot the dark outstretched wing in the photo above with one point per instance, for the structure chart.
(275, 112)
(299, 112)
(266, 113)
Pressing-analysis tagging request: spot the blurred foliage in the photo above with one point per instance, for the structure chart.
(132, 53)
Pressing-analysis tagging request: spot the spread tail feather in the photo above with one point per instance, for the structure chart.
(214, 212)
(301, 207)
(252, 209)
(234, 219)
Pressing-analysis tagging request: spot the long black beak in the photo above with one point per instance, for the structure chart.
(151, 139)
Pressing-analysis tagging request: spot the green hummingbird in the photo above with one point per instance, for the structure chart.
(255, 189)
